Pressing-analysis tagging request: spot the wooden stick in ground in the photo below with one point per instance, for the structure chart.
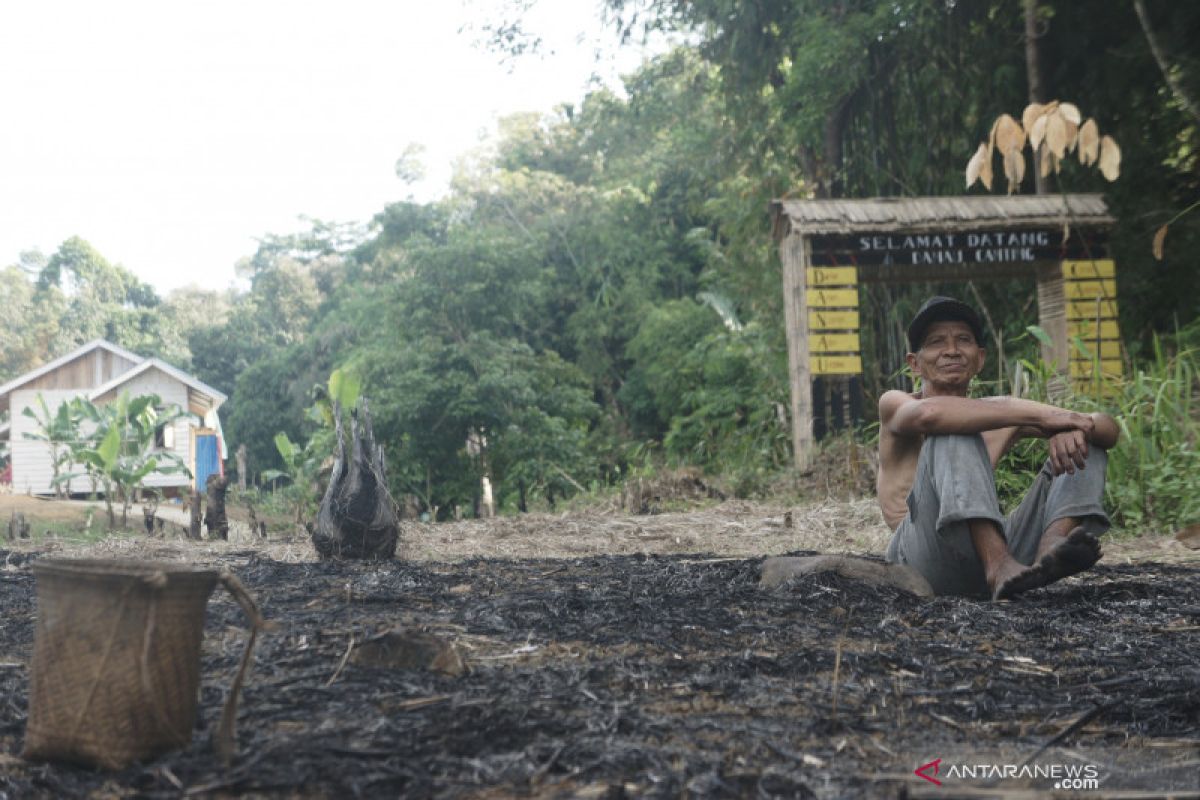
(241, 467)
(194, 508)
(214, 516)
(1084, 719)
(837, 669)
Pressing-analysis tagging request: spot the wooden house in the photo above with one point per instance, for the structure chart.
(102, 371)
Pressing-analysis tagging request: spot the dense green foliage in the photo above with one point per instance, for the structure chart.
(601, 287)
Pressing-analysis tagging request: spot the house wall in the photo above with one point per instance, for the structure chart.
(31, 461)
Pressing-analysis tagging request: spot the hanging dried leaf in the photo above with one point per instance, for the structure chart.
(1110, 158)
(985, 169)
(1160, 236)
(1046, 163)
(1038, 132)
(1008, 170)
(976, 164)
(1072, 135)
(1070, 112)
(1030, 115)
(1089, 143)
(1014, 168)
(1056, 135)
(1009, 134)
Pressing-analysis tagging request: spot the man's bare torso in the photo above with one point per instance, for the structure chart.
(898, 456)
(897, 470)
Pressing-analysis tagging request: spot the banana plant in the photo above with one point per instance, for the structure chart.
(344, 388)
(119, 454)
(59, 430)
(299, 466)
(290, 452)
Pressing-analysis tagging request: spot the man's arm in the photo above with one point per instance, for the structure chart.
(905, 415)
(1069, 432)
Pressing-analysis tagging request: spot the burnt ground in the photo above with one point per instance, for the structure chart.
(663, 676)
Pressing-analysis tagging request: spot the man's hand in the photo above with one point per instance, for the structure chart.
(1059, 420)
(1068, 451)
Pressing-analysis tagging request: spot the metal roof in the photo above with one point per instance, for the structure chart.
(968, 212)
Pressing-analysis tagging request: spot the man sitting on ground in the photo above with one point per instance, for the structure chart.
(938, 450)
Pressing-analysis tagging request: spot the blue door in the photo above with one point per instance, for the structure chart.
(208, 461)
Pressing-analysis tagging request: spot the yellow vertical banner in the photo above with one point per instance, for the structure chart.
(833, 298)
(1089, 270)
(1090, 290)
(1092, 309)
(1088, 329)
(821, 319)
(832, 276)
(835, 365)
(821, 342)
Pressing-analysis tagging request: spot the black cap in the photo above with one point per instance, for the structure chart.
(938, 309)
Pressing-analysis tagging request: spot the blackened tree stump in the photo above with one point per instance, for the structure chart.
(357, 517)
(18, 527)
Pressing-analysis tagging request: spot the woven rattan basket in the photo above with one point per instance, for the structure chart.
(116, 659)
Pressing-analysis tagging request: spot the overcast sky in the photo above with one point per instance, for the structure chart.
(170, 135)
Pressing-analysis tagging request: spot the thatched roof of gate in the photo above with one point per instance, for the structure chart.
(966, 213)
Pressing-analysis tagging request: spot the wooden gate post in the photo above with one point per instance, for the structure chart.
(794, 253)
(1052, 313)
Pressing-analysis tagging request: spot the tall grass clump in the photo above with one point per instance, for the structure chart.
(1153, 480)
(1154, 472)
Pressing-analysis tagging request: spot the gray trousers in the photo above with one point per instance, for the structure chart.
(954, 483)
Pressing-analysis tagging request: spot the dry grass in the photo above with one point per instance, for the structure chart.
(42, 510)
(733, 529)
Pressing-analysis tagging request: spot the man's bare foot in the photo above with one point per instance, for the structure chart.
(1068, 555)
(1058, 558)
(1015, 578)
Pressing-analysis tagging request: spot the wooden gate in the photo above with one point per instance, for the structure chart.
(828, 248)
